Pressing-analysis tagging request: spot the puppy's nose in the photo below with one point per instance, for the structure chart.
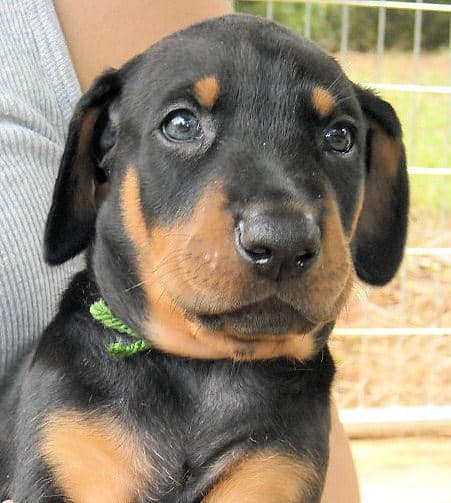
(279, 246)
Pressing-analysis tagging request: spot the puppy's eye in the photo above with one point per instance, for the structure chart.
(339, 138)
(181, 126)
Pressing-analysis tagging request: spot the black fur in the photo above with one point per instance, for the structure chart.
(67, 233)
(264, 142)
(377, 257)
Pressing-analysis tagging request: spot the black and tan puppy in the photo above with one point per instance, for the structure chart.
(229, 185)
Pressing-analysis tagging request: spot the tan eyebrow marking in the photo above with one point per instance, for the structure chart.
(207, 91)
(323, 101)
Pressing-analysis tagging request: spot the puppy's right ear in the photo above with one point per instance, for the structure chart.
(82, 184)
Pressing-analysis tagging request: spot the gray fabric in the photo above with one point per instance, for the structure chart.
(38, 90)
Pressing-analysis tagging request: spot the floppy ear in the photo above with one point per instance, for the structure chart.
(381, 230)
(81, 184)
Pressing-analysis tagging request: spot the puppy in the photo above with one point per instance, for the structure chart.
(228, 185)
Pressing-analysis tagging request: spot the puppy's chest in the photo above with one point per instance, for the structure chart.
(172, 439)
(194, 438)
(205, 422)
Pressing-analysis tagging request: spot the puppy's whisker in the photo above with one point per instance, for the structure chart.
(169, 272)
(165, 262)
(136, 285)
(334, 82)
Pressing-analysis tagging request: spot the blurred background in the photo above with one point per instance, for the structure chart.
(392, 344)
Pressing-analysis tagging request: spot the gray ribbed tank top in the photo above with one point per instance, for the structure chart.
(38, 91)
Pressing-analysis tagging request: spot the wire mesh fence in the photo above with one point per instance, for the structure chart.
(393, 344)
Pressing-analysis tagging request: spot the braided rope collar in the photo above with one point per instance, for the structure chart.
(103, 314)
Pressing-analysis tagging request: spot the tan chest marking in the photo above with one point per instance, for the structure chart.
(94, 459)
(265, 477)
(330, 282)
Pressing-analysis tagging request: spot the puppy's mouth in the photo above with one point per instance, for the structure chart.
(270, 317)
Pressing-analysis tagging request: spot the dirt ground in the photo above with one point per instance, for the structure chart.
(414, 470)
(376, 371)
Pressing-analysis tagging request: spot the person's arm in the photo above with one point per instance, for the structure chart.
(106, 33)
(341, 481)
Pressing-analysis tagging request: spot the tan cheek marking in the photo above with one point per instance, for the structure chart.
(132, 213)
(191, 256)
(174, 258)
(167, 327)
(265, 477)
(329, 282)
(207, 91)
(323, 101)
(94, 459)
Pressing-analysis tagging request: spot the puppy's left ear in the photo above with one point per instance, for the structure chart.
(381, 230)
(82, 184)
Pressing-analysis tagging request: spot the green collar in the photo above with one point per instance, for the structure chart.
(102, 313)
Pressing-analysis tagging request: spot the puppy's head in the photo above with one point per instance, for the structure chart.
(230, 183)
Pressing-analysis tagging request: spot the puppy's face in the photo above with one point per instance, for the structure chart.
(236, 181)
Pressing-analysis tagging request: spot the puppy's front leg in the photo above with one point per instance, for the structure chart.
(268, 477)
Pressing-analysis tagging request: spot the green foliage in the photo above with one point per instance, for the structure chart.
(326, 25)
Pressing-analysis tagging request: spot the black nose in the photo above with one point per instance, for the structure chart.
(279, 245)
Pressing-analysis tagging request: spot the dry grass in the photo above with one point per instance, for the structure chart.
(404, 370)
(384, 371)
(397, 67)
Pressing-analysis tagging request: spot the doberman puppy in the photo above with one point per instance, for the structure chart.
(229, 185)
